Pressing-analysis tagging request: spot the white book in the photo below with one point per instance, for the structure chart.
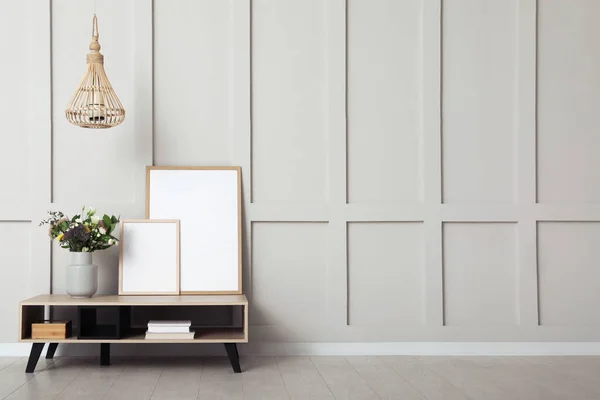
(169, 336)
(168, 329)
(170, 323)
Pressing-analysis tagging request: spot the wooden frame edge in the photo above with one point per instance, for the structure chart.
(177, 257)
(246, 326)
(207, 293)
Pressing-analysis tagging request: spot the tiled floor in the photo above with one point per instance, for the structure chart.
(264, 378)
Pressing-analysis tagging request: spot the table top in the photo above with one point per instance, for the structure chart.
(114, 300)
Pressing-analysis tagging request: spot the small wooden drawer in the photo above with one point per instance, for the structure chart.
(51, 330)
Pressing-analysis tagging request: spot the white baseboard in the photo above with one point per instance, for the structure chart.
(428, 348)
(327, 349)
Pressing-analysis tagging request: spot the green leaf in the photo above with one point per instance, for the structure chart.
(106, 221)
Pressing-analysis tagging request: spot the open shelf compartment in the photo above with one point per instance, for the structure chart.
(123, 319)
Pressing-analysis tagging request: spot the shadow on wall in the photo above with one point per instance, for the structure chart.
(108, 270)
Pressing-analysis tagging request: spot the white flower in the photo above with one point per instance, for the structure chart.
(111, 242)
(84, 249)
(78, 220)
(102, 230)
(91, 211)
(95, 219)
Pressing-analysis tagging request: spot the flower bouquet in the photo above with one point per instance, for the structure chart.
(82, 235)
(85, 232)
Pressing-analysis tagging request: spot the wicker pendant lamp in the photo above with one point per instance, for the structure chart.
(95, 103)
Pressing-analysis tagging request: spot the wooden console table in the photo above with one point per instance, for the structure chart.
(123, 331)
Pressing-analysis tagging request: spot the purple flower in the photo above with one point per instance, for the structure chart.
(77, 234)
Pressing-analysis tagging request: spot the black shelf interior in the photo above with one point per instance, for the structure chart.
(103, 322)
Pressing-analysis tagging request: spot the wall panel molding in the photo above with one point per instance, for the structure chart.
(384, 101)
(290, 86)
(525, 173)
(567, 102)
(136, 132)
(479, 100)
(125, 146)
(39, 129)
(337, 309)
(387, 257)
(143, 91)
(193, 66)
(431, 159)
(510, 168)
(480, 274)
(290, 264)
(240, 120)
(569, 279)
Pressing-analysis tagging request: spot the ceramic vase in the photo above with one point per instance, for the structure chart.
(82, 275)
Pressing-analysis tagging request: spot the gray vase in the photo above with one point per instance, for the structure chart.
(82, 275)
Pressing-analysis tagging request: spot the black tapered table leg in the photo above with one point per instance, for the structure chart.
(234, 357)
(51, 350)
(104, 353)
(34, 356)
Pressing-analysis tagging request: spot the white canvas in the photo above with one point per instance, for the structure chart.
(149, 257)
(206, 203)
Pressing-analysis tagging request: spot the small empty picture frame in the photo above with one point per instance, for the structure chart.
(149, 257)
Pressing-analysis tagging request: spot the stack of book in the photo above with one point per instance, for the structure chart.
(169, 330)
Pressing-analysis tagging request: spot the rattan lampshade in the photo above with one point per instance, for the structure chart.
(95, 104)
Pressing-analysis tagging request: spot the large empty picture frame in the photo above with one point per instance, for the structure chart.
(149, 257)
(207, 201)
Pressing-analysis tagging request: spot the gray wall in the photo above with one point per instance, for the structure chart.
(412, 170)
